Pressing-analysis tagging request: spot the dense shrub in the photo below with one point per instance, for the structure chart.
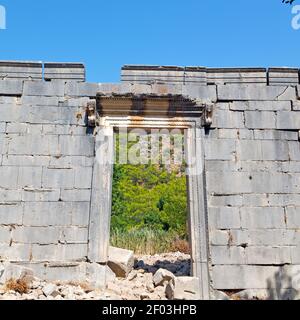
(149, 204)
(149, 197)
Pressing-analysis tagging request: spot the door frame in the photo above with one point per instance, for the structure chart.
(101, 198)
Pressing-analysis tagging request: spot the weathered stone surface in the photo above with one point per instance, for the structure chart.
(74, 88)
(11, 214)
(24, 128)
(230, 237)
(74, 234)
(183, 288)
(255, 92)
(121, 261)
(48, 214)
(219, 149)
(228, 255)
(25, 161)
(56, 178)
(217, 182)
(292, 217)
(11, 87)
(219, 295)
(162, 276)
(288, 120)
(261, 105)
(263, 150)
(59, 252)
(77, 146)
(41, 88)
(40, 195)
(225, 201)
(249, 182)
(33, 145)
(2, 127)
(29, 177)
(100, 275)
(5, 234)
(276, 135)
(267, 294)
(15, 252)
(262, 218)
(228, 119)
(224, 218)
(260, 120)
(294, 150)
(273, 237)
(40, 101)
(9, 177)
(268, 255)
(50, 290)
(76, 195)
(64, 71)
(11, 271)
(296, 105)
(202, 93)
(237, 277)
(36, 235)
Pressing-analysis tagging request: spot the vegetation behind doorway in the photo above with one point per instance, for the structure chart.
(149, 208)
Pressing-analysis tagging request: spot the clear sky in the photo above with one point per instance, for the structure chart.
(108, 34)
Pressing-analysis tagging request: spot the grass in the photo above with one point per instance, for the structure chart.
(21, 286)
(149, 242)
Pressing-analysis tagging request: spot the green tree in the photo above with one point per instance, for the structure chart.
(149, 197)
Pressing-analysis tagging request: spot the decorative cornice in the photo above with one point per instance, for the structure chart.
(149, 105)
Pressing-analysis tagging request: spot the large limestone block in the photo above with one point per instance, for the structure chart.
(99, 276)
(228, 119)
(120, 261)
(82, 89)
(255, 277)
(288, 120)
(10, 271)
(42, 88)
(11, 87)
(227, 255)
(267, 294)
(183, 288)
(261, 105)
(161, 276)
(255, 92)
(260, 120)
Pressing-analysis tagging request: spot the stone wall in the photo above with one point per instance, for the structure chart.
(46, 160)
(252, 167)
(253, 184)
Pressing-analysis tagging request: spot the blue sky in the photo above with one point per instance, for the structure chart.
(108, 34)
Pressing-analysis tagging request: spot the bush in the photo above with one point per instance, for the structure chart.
(21, 286)
(149, 207)
(149, 197)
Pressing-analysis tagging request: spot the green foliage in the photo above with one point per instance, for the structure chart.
(149, 197)
(144, 241)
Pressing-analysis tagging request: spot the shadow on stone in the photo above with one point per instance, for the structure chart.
(280, 287)
(178, 267)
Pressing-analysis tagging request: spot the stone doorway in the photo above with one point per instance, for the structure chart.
(131, 115)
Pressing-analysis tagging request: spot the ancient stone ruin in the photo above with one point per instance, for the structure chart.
(242, 127)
